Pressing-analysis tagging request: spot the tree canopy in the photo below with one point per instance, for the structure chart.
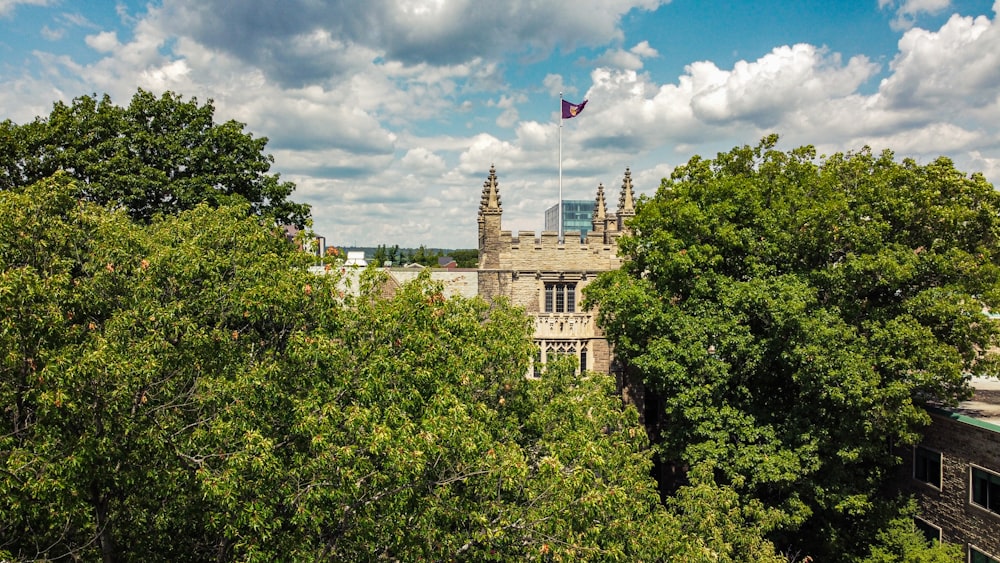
(789, 315)
(158, 155)
(187, 390)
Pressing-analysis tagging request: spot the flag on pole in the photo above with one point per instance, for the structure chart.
(570, 110)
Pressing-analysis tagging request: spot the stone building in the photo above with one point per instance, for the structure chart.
(546, 276)
(955, 474)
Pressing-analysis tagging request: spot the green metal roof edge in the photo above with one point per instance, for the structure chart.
(965, 419)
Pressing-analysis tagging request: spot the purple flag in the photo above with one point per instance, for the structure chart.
(572, 110)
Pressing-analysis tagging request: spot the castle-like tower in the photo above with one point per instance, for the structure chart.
(546, 276)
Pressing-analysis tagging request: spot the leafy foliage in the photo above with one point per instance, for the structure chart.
(116, 340)
(790, 315)
(383, 254)
(187, 390)
(901, 541)
(466, 258)
(158, 155)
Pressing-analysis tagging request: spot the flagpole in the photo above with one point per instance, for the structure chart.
(560, 167)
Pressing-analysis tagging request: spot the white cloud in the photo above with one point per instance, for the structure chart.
(7, 7)
(52, 34)
(907, 11)
(532, 135)
(103, 42)
(553, 84)
(935, 69)
(990, 166)
(617, 58)
(644, 50)
(485, 148)
(627, 60)
(423, 161)
(786, 79)
(76, 19)
(634, 113)
(510, 116)
(284, 39)
(933, 139)
(353, 117)
(165, 77)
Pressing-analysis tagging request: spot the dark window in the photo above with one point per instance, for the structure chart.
(929, 531)
(927, 466)
(976, 556)
(560, 297)
(986, 490)
(583, 359)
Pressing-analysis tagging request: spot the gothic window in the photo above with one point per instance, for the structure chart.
(560, 297)
(560, 348)
(574, 348)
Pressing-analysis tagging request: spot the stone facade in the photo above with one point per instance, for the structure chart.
(962, 444)
(455, 282)
(546, 276)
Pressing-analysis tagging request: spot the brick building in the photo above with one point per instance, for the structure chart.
(546, 276)
(955, 474)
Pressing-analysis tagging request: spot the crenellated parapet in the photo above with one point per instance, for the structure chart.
(529, 250)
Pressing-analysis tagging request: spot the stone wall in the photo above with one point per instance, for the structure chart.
(518, 266)
(524, 263)
(460, 282)
(962, 443)
(527, 252)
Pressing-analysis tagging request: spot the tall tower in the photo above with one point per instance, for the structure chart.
(490, 211)
(547, 276)
(626, 201)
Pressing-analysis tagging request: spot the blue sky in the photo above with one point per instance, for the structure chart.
(387, 114)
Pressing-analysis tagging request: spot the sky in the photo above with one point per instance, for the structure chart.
(388, 114)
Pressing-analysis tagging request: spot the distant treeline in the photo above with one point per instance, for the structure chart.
(464, 257)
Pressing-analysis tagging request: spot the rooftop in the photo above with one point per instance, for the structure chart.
(985, 401)
(983, 409)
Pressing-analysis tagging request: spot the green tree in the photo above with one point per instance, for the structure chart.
(466, 258)
(185, 390)
(385, 254)
(901, 541)
(423, 257)
(158, 155)
(381, 256)
(789, 315)
(418, 437)
(115, 341)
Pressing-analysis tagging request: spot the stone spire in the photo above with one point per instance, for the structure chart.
(626, 202)
(490, 202)
(600, 217)
(489, 223)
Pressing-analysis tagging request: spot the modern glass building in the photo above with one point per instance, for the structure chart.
(578, 215)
